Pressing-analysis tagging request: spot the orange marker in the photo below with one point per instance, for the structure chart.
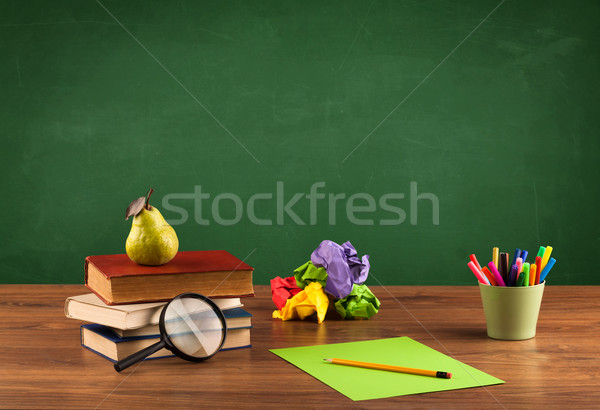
(532, 274)
(538, 270)
(489, 275)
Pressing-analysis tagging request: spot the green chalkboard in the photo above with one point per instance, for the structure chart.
(421, 131)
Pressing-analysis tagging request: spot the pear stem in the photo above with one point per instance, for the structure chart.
(147, 205)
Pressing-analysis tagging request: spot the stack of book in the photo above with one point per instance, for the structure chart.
(127, 299)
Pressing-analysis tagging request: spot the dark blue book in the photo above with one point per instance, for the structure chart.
(106, 342)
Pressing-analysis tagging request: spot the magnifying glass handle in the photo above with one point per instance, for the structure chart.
(137, 356)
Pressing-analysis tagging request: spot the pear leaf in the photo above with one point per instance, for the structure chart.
(135, 207)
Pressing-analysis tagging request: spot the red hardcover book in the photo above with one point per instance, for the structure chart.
(215, 274)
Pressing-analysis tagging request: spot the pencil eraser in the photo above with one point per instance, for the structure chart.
(448, 375)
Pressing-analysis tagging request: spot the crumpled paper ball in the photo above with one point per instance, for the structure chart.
(312, 299)
(283, 289)
(308, 273)
(344, 268)
(360, 303)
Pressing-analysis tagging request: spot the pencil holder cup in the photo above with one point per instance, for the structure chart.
(511, 313)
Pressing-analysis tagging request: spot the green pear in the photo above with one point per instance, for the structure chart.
(151, 241)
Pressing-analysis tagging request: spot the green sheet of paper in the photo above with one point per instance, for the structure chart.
(365, 384)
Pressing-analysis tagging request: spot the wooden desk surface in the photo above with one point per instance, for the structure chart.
(44, 365)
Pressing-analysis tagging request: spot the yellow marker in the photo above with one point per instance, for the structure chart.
(532, 270)
(496, 256)
(546, 256)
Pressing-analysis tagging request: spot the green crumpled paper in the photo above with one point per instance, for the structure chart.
(308, 273)
(360, 303)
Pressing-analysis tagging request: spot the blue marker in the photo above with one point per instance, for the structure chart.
(517, 255)
(546, 270)
(524, 255)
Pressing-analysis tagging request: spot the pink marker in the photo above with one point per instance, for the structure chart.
(519, 266)
(474, 260)
(496, 274)
(480, 276)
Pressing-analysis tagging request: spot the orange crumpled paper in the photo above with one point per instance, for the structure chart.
(312, 299)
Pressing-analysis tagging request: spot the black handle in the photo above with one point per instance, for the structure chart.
(141, 355)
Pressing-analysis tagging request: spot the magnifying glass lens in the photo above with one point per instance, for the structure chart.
(193, 327)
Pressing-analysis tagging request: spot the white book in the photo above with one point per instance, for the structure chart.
(90, 308)
(234, 318)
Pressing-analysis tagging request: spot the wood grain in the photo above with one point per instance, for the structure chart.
(43, 364)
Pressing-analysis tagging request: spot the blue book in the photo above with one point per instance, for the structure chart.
(106, 342)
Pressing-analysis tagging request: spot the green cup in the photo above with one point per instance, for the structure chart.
(511, 313)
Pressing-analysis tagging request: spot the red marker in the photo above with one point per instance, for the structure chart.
(478, 274)
(474, 260)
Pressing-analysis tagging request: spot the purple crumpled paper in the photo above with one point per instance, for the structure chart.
(343, 267)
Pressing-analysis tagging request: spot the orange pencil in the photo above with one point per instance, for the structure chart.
(390, 368)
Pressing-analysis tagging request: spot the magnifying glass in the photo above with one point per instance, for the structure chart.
(191, 326)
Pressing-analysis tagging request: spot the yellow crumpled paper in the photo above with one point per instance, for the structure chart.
(312, 299)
